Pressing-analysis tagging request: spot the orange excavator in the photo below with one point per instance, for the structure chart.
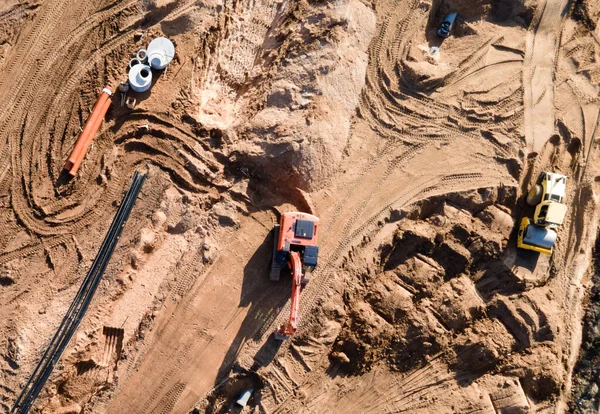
(295, 244)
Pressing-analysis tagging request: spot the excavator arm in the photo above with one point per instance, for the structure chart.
(288, 329)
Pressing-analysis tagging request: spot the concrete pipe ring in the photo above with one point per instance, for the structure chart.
(133, 62)
(142, 56)
(140, 78)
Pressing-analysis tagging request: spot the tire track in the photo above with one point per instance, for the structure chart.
(544, 32)
(72, 83)
(168, 401)
(424, 188)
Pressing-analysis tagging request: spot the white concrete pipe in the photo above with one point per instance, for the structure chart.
(160, 52)
(140, 77)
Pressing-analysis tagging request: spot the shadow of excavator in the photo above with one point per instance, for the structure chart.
(265, 300)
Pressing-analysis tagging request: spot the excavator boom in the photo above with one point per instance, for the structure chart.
(289, 328)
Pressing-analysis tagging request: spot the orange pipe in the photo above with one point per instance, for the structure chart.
(96, 125)
(88, 127)
(89, 137)
(89, 130)
(85, 131)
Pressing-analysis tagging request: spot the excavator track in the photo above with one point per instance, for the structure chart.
(275, 267)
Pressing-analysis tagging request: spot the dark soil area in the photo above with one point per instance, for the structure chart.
(586, 376)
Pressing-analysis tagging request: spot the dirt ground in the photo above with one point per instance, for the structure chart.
(416, 154)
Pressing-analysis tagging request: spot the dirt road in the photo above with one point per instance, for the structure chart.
(198, 338)
(542, 46)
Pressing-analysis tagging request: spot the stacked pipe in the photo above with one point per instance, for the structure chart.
(89, 131)
(80, 303)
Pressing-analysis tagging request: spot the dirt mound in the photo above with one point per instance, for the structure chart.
(405, 308)
(297, 137)
(539, 372)
(480, 347)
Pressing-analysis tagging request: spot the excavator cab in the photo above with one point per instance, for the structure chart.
(297, 232)
(547, 196)
(295, 245)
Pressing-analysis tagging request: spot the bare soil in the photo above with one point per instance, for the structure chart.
(415, 152)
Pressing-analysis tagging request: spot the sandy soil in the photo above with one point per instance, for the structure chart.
(416, 160)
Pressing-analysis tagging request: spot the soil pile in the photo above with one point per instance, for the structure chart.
(440, 287)
(296, 136)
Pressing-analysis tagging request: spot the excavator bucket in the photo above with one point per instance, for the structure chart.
(280, 334)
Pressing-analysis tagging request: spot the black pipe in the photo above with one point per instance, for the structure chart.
(80, 303)
(96, 271)
(56, 340)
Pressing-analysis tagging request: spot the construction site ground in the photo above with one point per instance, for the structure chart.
(415, 152)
